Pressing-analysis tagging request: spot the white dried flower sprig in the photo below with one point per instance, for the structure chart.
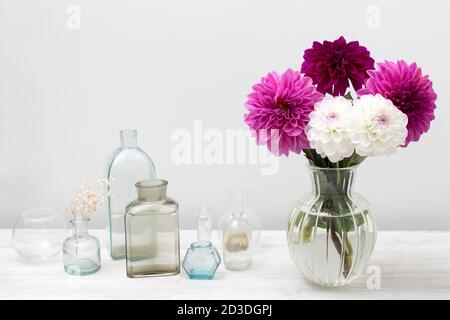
(90, 197)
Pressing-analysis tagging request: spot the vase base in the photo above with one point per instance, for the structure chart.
(82, 267)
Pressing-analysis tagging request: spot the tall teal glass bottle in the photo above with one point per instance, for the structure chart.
(126, 166)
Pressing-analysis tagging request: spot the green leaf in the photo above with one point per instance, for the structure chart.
(353, 160)
(315, 159)
(307, 231)
(348, 96)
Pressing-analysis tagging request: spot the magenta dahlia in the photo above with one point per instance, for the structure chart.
(409, 91)
(279, 108)
(331, 65)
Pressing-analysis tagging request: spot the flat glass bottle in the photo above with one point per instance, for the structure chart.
(127, 165)
(152, 232)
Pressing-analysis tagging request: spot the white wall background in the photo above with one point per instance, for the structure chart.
(157, 66)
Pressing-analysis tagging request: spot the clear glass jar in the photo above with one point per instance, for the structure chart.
(331, 231)
(126, 166)
(237, 242)
(81, 251)
(152, 232)
(38, 234)
(201, 260)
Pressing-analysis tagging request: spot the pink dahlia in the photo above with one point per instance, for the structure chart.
(331, 65)
(279, 108)
(410, 92)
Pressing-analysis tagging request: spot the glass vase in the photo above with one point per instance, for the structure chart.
(38, 234)
(237, 242)
(127, 165)
(81, 251)
(152, 232)
(331, 231)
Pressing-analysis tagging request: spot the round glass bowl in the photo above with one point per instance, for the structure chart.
(38, 234)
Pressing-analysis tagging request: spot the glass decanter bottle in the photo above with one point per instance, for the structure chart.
(126, 166)
(237, 242)
(152, 232)
(81, 251)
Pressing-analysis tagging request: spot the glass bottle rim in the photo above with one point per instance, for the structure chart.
(128, 131)
(152, 183)
(80, 220)
(315, 168)
(39, 214)
(201, 244)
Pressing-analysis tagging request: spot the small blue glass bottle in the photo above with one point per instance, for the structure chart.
(201, 261)
(202, 258)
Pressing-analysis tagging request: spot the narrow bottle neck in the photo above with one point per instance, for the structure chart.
(128, 138)
(201, 245)
(332, 182)
(238, 200)
(204, 224)
(237, 214)
(80, 227)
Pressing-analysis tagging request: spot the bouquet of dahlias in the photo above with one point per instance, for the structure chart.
(313, 110)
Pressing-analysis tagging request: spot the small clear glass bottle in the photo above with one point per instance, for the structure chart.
(81, 251)
(204, 224)
(237, 242)
(152, 232)
(127, 165)
(239, 201)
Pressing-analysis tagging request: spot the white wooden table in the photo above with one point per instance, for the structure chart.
(413, 265)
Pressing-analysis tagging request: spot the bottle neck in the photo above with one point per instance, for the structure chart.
(201, 246)
(239, 200)
(204, 224)
(80, 227)
(237, 214)
(128, 138)
(151, 190)
(331, 182)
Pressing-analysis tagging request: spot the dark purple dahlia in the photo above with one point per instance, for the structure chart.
(332, 64)
(409, 91)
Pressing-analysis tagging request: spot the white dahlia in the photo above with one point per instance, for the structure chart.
(327, 130)
(377, 126)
